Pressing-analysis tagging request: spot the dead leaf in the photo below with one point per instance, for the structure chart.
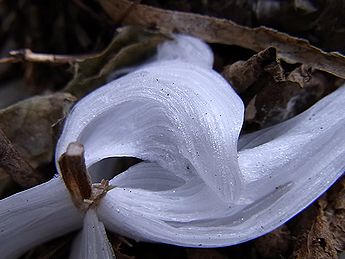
(13, 164)
(270, 92)
(28, 124)
(335, 213)
(129, 47)
(215, 30)
(242, 74)
(313, 236)
(319, 230)
(277, 101)
(274, 244)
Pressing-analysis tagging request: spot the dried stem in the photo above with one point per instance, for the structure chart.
(77, 179)
(75, 175)
(27, 55)
(16, 166)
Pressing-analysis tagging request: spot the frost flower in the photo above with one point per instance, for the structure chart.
(199, 184)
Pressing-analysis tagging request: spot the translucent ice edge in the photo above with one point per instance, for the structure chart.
(92, 241)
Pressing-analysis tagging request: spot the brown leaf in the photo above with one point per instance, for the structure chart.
(279, 101)
(215, 30)
(335, 213)
(130, 46)
(277, 92)
(314, 238)
(28, 124)
(274, 244)
(320, 230)
(19, 169)
(243, 74)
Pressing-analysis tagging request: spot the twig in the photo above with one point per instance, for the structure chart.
(28, 55)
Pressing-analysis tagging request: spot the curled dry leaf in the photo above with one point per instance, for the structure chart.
(129, 47)
(242, 74)
(278, 101)
(215, 30)
(28, 125)
(278, 94)
(260, 71)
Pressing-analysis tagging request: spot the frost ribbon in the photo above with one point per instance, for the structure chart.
(200, 182)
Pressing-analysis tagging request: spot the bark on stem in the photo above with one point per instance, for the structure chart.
(75, 175)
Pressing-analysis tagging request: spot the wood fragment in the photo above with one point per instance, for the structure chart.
(77, 179)
(75, 175)
(215, 30)
(13, 163)
(28, 55)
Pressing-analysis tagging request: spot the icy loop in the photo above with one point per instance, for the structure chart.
(200, 183)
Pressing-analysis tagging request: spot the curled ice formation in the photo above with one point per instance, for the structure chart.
(200, 182)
